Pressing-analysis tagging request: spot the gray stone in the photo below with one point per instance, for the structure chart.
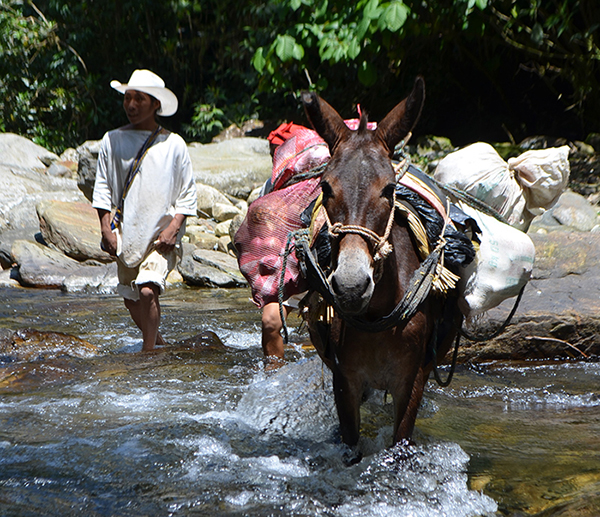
(92, 279)
(72, 228)
(224, 212)
(559, 314)
(221, 261)
(574, 211)
(40, 266)
(209, 196)
(234, 167)
(201, 274)
(223, 228)
(200, 238)
(17, 152)
(86, 170)
(24, 182)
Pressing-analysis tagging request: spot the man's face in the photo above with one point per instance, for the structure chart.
(140, 107)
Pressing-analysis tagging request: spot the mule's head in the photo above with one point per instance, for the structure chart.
(358, 189)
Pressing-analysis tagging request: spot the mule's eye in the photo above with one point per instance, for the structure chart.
(388, 191)
(327, 191)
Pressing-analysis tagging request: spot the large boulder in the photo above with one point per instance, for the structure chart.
(571, 212)
(19, 153)
(40, 266)
(559, 314)
(92, 279)
(24, 182)
(209, 273)
(234, 166)
(72, 228)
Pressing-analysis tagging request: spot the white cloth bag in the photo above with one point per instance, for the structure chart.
(502, 265)
(518, 190)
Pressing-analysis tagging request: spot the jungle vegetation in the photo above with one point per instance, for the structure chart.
(495, 70)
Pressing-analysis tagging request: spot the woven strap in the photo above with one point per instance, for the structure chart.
(133, 170)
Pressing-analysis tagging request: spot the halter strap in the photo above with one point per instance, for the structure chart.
(382, 247)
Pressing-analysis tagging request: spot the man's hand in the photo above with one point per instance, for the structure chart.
(109, 239)
(168, 237)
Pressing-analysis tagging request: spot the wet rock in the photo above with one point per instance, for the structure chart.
(101, 279)
(207, 340)
(559, 315)
(40, 266)
(34, 345)
(72, 228)
(197, 273)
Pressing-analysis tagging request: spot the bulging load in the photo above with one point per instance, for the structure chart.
(517, 191)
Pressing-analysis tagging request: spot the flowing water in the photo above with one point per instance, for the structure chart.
(206, 431)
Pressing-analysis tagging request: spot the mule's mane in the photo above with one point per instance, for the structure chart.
(362, 125)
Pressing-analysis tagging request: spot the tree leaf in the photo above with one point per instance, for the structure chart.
(394, 16)
(258, 60)
(284, 47)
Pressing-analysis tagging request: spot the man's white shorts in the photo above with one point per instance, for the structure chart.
(154, 269)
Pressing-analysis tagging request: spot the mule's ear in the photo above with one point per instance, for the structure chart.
(324, 119)
(403, 118)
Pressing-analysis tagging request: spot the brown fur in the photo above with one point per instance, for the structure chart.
(356, 188)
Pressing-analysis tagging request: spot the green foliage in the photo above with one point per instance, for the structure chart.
(488, 64)
(207, 121)
(42, 82)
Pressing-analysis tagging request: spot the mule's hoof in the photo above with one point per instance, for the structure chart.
(351, 457)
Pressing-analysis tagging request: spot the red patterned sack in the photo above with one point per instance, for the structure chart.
(261, 239)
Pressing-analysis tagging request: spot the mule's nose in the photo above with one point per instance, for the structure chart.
(352, 282)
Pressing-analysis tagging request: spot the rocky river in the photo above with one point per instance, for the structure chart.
(90, 426)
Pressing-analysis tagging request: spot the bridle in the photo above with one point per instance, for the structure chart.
(381, 245)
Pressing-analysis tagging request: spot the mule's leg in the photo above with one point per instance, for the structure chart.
(406, 413)
(347, 402)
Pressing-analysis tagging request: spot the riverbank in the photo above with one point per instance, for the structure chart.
(49, 236)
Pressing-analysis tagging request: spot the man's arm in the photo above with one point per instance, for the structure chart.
(109, 239)
(168, 237)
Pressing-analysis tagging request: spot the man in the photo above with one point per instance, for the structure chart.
(145, 172)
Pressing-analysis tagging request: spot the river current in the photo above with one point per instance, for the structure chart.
(207, 431)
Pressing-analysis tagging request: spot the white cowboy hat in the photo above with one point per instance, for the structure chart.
(150, 83)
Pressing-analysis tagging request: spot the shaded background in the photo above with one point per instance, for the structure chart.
(495, 70)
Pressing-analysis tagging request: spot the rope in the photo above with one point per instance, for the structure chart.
(436, 374)
(480, 339)
(298, 234)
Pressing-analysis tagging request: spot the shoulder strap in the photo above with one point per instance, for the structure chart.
(133, 170)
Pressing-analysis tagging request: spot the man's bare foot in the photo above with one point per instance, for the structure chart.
(272, 362)
(160, 341)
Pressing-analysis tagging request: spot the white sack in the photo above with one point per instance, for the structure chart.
(502, 265)
(543, 174)
(518, 190)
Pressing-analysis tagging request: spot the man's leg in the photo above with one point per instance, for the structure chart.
(146, 315)
(272, 342)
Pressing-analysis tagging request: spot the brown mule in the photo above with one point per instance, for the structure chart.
(367, 279)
